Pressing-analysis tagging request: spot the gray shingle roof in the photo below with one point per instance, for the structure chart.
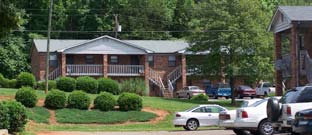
(297, 13)
(161, 46)
(157, 46)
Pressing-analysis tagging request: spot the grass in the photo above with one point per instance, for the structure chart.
(170, 105)
(96, 116)
(38, 114)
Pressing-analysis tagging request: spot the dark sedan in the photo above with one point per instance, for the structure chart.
(303, 122)
(245, 91)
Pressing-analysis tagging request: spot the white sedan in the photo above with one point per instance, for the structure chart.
(254, 119)
(227, 117)
(202, 115)
(189, 91)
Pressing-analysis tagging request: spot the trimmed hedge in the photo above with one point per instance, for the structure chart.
(105, 101)
(27, 96)
(79, 100)
(52, 85)
(129, 102)
(55, 99)
(108, 85)
(87, 84)
(17, 116)
(200, 98)
(7, 83)
(25, 79)
(67, 84)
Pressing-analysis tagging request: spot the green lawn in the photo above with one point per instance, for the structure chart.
(38, 114)
(170, 105)
(95, 116)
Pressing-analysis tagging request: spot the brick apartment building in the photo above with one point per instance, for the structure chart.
(292, 28)
(161, 63)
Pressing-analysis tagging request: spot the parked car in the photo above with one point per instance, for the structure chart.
(226, 118)
(303, 122)
(223, 90)
(253, 119)
(264, 89)
(245, 91)
(202, 115)
(189, 92)
(282, 112)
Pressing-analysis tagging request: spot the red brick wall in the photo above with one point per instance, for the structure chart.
(35, 63)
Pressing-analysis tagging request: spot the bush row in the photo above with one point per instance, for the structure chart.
(88, 84)
(105, 101)
(7, 83)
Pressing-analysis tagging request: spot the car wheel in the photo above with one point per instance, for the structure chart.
(266, 128)
(239, 96)
(188, 96)
(192, 124)
(273, 109)
(214, 96)
(252, 97)
(265, 94)
(186, 128)
(177, 95)
(240, 132)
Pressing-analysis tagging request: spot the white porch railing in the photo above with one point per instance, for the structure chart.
(156, 79)
(55, 73)
(83, 69)
(125, 70)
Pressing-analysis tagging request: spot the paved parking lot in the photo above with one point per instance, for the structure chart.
(180, 132)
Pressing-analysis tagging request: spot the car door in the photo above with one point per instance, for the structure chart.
(201, 115)
(213, 115)
(185, 90)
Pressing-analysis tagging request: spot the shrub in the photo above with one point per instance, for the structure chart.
(129, 102)
(17, 116)
(135, 85)
(55, 99)
(12, 83)
(2, 81)
(27, 96)
(25, 79)
(66, 84)
(108, 85)
(87, 84)
(4, 117)
(105, 101)
(52, 85)
(79, 100)
(200, 98)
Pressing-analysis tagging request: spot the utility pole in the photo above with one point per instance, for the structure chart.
(48, 48)
(116, 25)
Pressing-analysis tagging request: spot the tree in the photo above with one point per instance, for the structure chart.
(11, 17)
(12, 59)
(236, 38)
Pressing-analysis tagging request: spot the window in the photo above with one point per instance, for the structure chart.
(151, 61)
(113, 60)
(53, 60)
(172, 61)
(69, 59)
(89, 59)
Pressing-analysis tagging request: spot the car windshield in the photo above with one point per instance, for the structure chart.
(224, 85)
(258, 102)
(188, 110)
(194, 87)
(289, 97)
(245, 87)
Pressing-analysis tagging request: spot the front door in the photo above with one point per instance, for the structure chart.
(135, 60)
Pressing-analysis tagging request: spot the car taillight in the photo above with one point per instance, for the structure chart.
(227, 116)
(307, 116)
(244, 114)
(224, 116)
(178, 115)
(288, 110)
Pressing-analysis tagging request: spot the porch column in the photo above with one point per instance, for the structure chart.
(278, 56)
(293, 57)
(63, 64)
(105, 65)
(146, 73)
(183, 70)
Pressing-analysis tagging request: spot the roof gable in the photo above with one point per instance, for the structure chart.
(284, 16)
(104, 45)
